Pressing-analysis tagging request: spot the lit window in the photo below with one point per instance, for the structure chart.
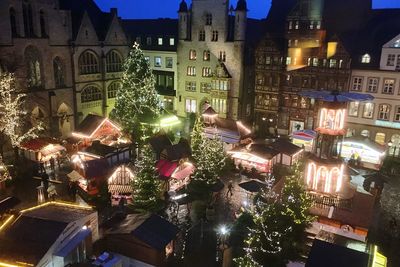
(357, 83)
(90, 93)
(157, 61)
(214, 36)
(191, 71)
(368, 110)
(206, 72)
(267, 60)
(297, 25)
(315, 62)
(366, 59)
(288, 60)
(205, 87)
(290, 25)
(340, 63)
(296, 42)
(202, 36)
(365, 133)
(206, 55)
(147, 58)
(169, 62)
(372, 85)
(88, 63)
(397, 43)
(160, 41)
(171, 41)
(388, 86)
(384, 112)
(318, 25)
(112, 89)
(191, 86)
(289, 43)
(332, 63)
(192, 54)
(113, 61)
(191, 105)
(390, 60)
(397, 114)
(380, 138)
(311, 25)
(222, 56)
(353, 109)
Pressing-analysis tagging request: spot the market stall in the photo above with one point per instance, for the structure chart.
(181, 176)
(120, 185)
(42, 149)
(304, 138)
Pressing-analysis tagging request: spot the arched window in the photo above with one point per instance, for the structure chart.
(43, 30)
(13, 22)
(88, 63)
(113, 61)
(28, 19)
(365, 133)
(112, 89)
(366, 59)
(58, 67)
(90, 93)
(33, 64)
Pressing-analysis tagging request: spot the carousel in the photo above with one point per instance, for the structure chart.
(336, 201)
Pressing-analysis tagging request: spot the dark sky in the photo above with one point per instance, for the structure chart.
(168, 8)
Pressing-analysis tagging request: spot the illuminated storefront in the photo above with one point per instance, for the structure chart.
(363, 150)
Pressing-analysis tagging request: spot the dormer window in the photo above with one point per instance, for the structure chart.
(208, 19)
(366, 59)
(397, 44)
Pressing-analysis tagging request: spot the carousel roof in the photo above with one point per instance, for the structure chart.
(336, 96)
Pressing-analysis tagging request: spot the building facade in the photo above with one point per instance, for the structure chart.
(308, 50)
(210, 57)
(158, 38)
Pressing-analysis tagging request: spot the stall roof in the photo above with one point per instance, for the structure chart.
(91, 123)
(100, 149)
(159, 142)
(259, 150)
(166, 168)
(38, 143)
(286, 147)
(156, 232)
(179, 151)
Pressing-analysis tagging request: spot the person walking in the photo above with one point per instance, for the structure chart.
(230, 188)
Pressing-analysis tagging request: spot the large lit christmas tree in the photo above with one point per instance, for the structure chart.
(280, 221)
(13, 115)
(197, 137)
(146, 185)
(137, 105)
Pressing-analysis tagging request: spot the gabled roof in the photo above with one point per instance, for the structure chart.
(100, 149)
(156, 232)
(285, 147)
(100, 20)
(159, 142)
(91, 123)
(179, 151)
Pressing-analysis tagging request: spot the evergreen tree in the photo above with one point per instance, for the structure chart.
(279, 228)
(197, 137)
(13, 115)
(137, 105)
(146, 184)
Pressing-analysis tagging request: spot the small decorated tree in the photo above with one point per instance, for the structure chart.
(280, 221)
(13, 115)
(137, 105)
(146, 185)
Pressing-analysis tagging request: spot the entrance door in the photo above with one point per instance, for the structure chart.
(296, 126)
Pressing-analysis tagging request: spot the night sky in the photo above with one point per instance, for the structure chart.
(168, 8)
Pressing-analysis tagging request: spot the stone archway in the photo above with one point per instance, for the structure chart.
(38, 116)
(64, 114)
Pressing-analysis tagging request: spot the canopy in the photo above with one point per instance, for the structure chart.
(51, 149)
(336, 96)
(306, 135)
(184, 171)
(252, 186)
(165, 168)
(74, 176)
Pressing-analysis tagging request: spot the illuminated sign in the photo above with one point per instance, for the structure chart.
(388, 124)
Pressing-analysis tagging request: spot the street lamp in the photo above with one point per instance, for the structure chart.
(223, 231)
(390, 144)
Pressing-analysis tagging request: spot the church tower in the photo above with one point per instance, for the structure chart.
(184, 18)
(240, 20)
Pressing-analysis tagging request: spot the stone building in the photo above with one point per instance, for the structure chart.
(309, 50)
(67, 56)
(212, 37)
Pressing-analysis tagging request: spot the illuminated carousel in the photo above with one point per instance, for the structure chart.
(326, 173)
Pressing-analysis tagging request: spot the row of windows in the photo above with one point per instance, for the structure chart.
(368, 109)
(206, 71)
(92, 93)
(89, 62)
(205, 87)
(206, 55)
(159, 40)
(158, 62)
(297, 25)
(380, 138)
(388, 85)
(27, 14)
(393, 60)
(213, 36)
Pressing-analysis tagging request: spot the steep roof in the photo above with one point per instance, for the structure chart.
(100, 20)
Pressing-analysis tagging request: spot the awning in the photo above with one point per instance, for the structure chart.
(51, 149)
(74, 176)
(182, 172)
(73, 243)
(165, 168)
(119, 189)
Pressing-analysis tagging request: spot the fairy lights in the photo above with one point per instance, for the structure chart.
(326, 179)
(332, 119)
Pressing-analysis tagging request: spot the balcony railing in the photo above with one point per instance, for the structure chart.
(325, 202)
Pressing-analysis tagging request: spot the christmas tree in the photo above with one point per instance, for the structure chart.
(146, 184)
(4, 174)
(137, 105)
(280, 221)
(197, 137)
(13, 115)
